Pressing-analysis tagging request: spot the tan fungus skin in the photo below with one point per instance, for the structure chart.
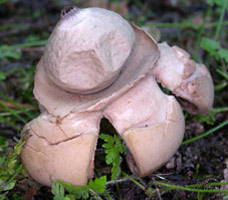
(100, 53)
(61, 150)
(60, 103)
(186, 79)
(63, 138)
(152, 135)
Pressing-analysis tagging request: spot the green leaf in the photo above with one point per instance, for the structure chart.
(216, 2)
(219, 2)
(210, 2)
(211, 117)
(58, 191)
(77, 192)
(98, 185)
(113, 148)
(107, 146)
(11, 161)
(9, 186)
(223, 54)
(115, 172)
(2, 141)
(2, 161)
(9, 52)
(2, 196)
(2, 76)
(107, 138)
(210, 46)
(111, 155)
(11, 168)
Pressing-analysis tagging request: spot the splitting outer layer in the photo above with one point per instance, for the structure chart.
(62, 143)
(151, 124)
(189, 81)
(135, 59)
(61, 150)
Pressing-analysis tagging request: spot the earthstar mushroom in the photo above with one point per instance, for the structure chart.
(96, 65)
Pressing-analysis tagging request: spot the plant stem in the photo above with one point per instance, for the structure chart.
(200, 33)
(189, 189)
(208, 184)
(221, 86)
(219, 26)
(18, 171)
(149, 193)
(118, 181)
(94, 194)
(206, 133)
(134, 181)
(185, 25)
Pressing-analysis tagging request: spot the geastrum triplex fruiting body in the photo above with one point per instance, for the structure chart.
(96, 65)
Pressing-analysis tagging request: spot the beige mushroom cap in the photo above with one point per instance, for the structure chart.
(189, 81)
(87, 49)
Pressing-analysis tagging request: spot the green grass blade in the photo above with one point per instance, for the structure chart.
(219, 26)
(175, 187)
(13, 112)
(206, 133)
(222, 73)
(30, 116)
(29, 44)
(11, 123)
